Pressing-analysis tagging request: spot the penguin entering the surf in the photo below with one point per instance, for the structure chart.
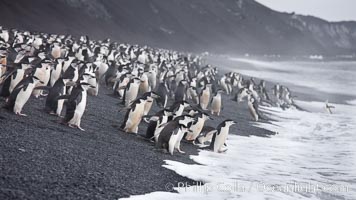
(134, 115)
(173, 132)
(216, 103)
(253, 107)
(205, 135)
(75, 105)
(151, 96)
(218, 142)
(328, 107)
(154, 126)
(131, 91)
(204, 97)
(197, 126)
(21, 93)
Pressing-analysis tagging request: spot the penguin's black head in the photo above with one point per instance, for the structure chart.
(229, 122)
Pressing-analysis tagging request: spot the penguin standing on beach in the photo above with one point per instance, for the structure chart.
(173, 132)
(216, 103)
(218, 142)
(21, 93)
(162, 91)
(134, 115)
(151, 96)
(42, 72)
(180, 93)
(131, 91)
(54, 105)
(75, 105)
(204, 97)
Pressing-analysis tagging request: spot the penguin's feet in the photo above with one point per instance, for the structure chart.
(180, 151)
(72, 125)
(80, 128)
(21, 114)
(52, 113)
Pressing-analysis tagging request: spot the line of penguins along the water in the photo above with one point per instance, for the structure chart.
(66, 69)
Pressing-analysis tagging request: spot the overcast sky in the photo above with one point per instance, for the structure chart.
(332, 10)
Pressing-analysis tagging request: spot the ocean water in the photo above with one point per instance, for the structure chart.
(312, 156)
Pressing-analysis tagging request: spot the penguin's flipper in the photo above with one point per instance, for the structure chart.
(63, 97)
(43, 88)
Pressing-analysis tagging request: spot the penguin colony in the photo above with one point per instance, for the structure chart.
(65, 71)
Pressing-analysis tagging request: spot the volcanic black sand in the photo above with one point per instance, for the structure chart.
(42, 159)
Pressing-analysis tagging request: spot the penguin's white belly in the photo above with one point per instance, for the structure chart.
(56, 52)
(134, 118)
(144, 87)
(220, 139)
(216, 104)
(172, 142)
(79, 110)
(196, 129)
(253, 111)
(55, 74)
(204, 99)
(159, 129)
(22, 97)
(131, 94)
(148, 106)
(103, 67)
(19, 77)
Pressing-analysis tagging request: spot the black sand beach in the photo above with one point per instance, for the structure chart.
(42, 159)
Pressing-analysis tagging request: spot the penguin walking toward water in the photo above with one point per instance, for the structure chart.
(253, 107)
(151, 96)
(216, 103)
(173, 132)
(218, 142)
(154, 126)
(21, 93)
(328, 107)
(204, 98)
(134, 115)
(197, 126)
(75, 105)
(241, 94)
(131, 91)
(205, 135)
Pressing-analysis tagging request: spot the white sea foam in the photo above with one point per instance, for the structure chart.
(351, 102)
(310, 151)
